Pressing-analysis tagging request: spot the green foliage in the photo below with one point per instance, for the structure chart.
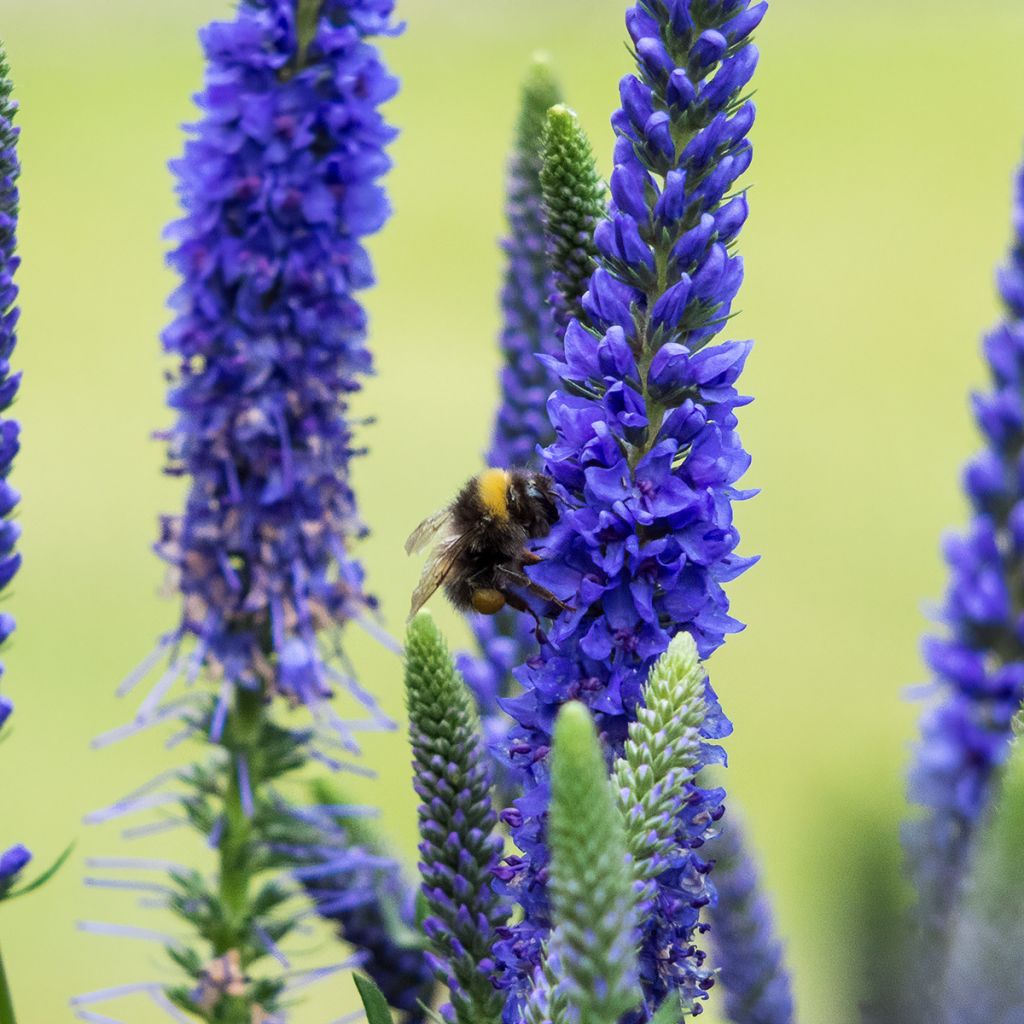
(374, 1003)
(591, 963)
(457, 822)
(659, 757)
(574, 204)
(244, 903)
(670, 1012)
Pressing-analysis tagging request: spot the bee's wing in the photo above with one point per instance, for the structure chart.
(441, 562)
(428, 530)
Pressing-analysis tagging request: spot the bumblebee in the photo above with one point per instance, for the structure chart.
(481, 539)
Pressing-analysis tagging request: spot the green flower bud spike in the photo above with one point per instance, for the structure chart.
(459, 846)
(591, 967)
(659, 758)
(574, 204)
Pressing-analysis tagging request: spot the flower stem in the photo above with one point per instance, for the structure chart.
(307, 16)
(241, 738)
(6, 1003)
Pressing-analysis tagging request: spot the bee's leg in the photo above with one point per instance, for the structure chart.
(488, 601)
(529, 557)
(515, 601)
(522, 580)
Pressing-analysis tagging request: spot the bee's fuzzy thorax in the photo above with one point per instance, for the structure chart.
(492, 487)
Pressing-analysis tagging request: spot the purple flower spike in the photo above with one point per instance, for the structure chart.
(747, 951)
(280, 185)
(647, 455)
(361, 891)
(16, 858)
(528, 326)
(521, 425)
(978, 664)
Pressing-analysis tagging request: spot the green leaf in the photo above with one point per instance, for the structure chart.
(670, 1012)
(376, 1006)
(45, 876)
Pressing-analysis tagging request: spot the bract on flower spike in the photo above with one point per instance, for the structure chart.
(646, 451)
(655, 782)
(982, 981)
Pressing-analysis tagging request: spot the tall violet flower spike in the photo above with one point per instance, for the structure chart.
(527, 323)
(279, 185)
(359, 889)
(13, 860)
(646, 449)
(747, 952)
(505, 640)
(978, 664)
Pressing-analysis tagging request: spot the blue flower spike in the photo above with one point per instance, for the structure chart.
(646, 453)
(280, 185)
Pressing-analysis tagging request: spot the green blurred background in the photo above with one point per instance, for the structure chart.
(887, 137)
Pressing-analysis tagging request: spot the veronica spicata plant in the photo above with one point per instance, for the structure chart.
(528, 329)
(14, 859)
(279, 183)
(574, 204)
(363, 892)
(627, 866)
(459, 847)
(978, 663)
(746, 950)
(646, 449)
(590, 972)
